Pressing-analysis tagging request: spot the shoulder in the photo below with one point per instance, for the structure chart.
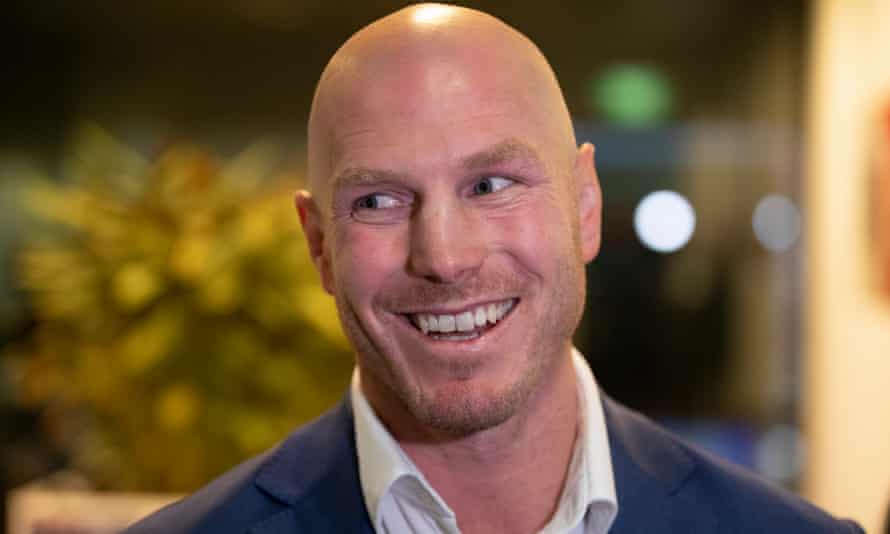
(229, 503)
(699, 482)
(755, 504)
(260, 489)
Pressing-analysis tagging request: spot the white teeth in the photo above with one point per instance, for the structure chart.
(463, 322)
(480, 316)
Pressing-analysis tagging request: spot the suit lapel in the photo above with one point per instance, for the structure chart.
(650, 472)
(315, 473)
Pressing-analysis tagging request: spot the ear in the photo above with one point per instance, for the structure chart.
(589, 202)
(313, 229)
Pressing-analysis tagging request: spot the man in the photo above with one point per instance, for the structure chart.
(451, 215)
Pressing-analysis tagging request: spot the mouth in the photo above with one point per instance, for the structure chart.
(466, 325)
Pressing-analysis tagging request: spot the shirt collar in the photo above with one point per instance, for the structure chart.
(589, 492)
(588, 495)
(383, 464)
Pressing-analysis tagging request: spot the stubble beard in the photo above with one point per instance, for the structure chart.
(460, 408)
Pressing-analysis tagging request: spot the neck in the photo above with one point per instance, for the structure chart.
(508, 478)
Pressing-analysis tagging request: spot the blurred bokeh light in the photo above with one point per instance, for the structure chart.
(664, 221)
(776, 223)
(631, 95)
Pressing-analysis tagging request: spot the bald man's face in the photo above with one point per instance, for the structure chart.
(452, 228)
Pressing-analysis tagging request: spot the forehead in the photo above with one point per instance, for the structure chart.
(421, 119)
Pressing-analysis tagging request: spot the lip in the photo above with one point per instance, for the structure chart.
(487, 334)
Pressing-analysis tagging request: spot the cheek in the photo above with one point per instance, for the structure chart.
(364, 257)
(536, 234)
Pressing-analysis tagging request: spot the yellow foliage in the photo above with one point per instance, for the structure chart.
(179, 316)
(190, 257)
(144, 343)
(134, 285)
(177, 408)
(220, 293)
(318, 308)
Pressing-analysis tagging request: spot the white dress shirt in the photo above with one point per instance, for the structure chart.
(400, 500)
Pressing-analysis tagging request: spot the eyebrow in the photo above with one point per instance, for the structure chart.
(510, 149)
(359, 176)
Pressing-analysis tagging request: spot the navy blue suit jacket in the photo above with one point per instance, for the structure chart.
(310, 484)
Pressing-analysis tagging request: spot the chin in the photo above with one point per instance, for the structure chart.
(461, 408)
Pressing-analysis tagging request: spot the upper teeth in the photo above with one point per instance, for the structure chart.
(464, 321)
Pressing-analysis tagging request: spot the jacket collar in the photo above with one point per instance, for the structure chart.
(315, 473)
(651, 468)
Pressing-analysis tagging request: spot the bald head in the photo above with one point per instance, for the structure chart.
(425, 64)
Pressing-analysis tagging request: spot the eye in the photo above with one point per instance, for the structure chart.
(491, 184)
(380, 208)
(376, 201)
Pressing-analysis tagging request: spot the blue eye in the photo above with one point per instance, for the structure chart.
(491, 184)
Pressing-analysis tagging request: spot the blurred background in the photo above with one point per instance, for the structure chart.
(160, 319)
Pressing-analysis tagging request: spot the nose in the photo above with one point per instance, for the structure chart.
(447, 243)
